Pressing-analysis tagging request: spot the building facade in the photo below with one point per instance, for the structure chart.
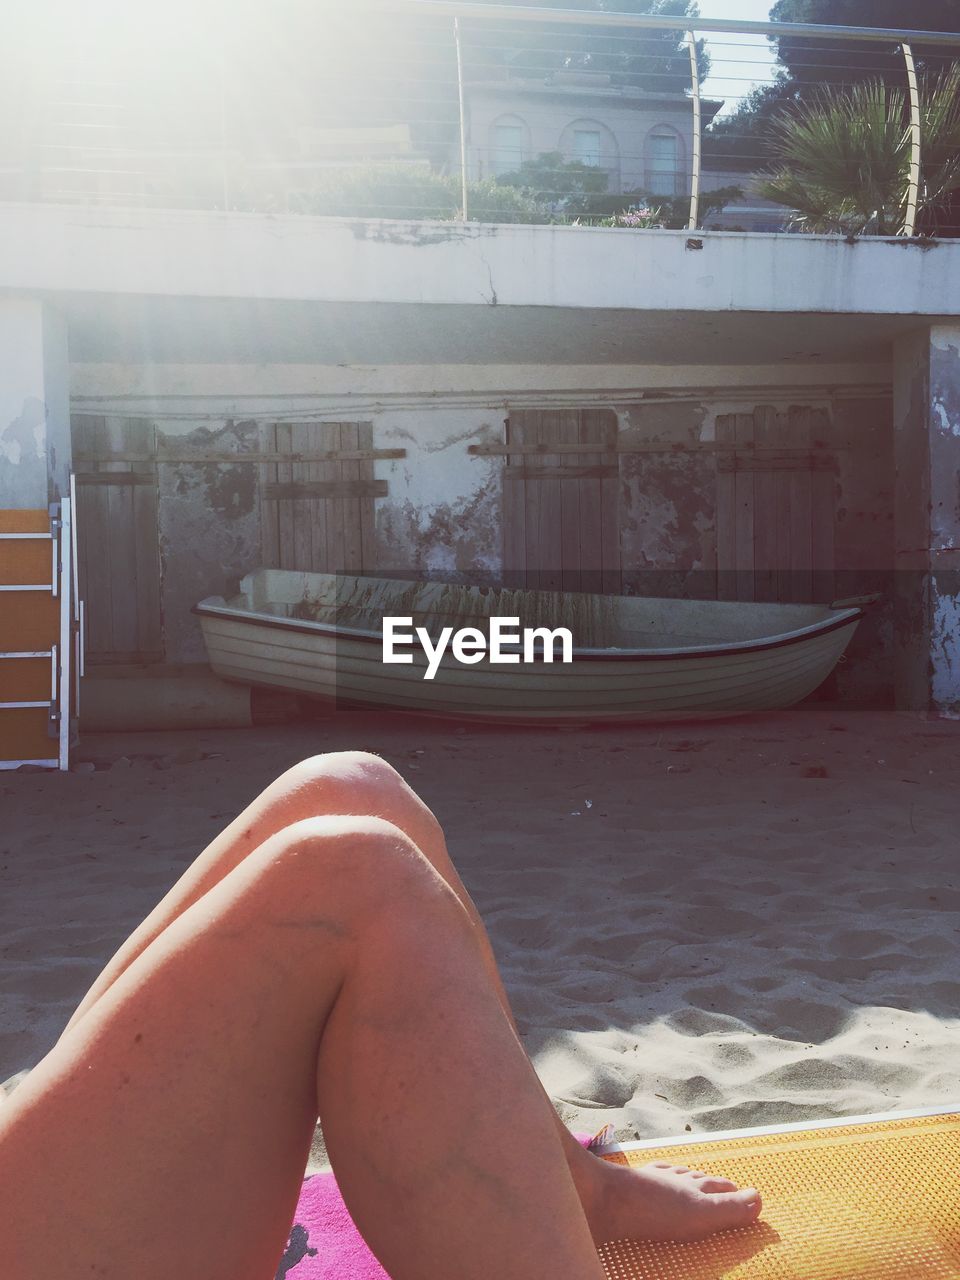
(642, 141)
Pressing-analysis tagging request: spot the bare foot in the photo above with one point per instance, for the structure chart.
(663, 1201)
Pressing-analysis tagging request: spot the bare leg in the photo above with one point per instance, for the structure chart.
(655, 1202)
(332, 967)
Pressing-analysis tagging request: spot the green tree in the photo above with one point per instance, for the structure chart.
(813, 64)
(807, 67)
(844, 156)
(551, 179)
(409, 192)
(656, 61)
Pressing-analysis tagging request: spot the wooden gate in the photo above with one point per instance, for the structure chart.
(317, 509)
(561, 529)
(775, 506)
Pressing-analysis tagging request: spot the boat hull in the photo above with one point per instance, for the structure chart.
(615, 686)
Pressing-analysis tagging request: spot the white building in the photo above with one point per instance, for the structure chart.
(643, 141)
(755, 416)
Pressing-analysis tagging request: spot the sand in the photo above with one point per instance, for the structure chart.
(700, 928)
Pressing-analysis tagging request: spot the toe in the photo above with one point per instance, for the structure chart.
(714, 1186)
(737, 1208)
(723, 1211)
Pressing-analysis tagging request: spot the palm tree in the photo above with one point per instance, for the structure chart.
(843, 159)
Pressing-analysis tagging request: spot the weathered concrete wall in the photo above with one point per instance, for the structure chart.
(34, 404)
(209, 517)
(864, 545)
(927, 435)
(945, 517)
(215, 255)
(669, 518)
(442, 516)
(668, 504)
(257, 390)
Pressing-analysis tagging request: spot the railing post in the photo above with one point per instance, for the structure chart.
(697, 134)
(465, 195)
(222, 96)
(913, 189)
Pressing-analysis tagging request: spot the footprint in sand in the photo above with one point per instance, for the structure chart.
(857, 943)
(810, 1021)
(700, 1022)
(694, 1093)
(602, 1087)
(753, 1114)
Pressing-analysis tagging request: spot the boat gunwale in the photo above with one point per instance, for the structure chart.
(217, 607)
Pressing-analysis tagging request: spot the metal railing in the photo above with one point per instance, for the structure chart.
(90, 134)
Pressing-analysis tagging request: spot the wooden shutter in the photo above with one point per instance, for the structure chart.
(775, 506)
(119, 537)
(318, 511)
(561, 528)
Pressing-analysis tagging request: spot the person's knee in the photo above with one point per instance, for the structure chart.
(360, 771)
(354, 862)
(360, 782)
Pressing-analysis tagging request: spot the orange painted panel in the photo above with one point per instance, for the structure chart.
(28, 621)
(24, 521)
(24, 679)
(25, 563)
(23, 736)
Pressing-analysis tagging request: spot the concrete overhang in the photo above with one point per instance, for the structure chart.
(63, 250)
(143, 330)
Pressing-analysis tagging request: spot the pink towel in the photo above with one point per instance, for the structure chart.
(324, 1244)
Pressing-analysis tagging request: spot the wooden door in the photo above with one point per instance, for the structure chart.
(119, 537)
(317, 508)
(561, 492)
(775, 506)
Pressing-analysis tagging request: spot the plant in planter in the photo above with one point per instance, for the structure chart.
(639, 218)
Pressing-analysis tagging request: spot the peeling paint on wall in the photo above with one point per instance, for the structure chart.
(25, 437)
(458, 540)
(945, 644)
(420, 234)
(209, 527)
(945, 435)
(945, 389)
(944, 596)
(442, 516)
(668, 504)
(23, 457)
(864, 546)
(668, 540)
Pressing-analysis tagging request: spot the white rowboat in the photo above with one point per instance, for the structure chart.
(634, 658)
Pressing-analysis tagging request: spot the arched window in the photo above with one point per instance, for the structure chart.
(592, 143)
(509, 145)
(664, 168)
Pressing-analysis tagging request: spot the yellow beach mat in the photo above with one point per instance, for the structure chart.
(875, 1198)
